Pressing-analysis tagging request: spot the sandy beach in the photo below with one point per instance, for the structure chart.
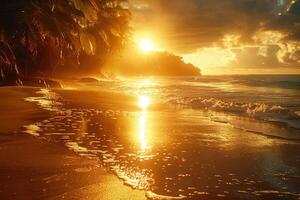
(150, 100)
(96, 142)
(35, 168)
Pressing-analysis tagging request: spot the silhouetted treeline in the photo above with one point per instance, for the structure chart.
(44, 37)
(159, 63)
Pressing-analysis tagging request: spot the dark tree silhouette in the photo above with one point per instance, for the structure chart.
(41, 37)
(133, 62)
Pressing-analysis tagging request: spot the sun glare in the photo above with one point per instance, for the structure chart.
(144, 102)
(146, 45)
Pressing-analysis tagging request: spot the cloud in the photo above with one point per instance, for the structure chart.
(202, 22)
(289, 53)
(188, 26)
(256, 56)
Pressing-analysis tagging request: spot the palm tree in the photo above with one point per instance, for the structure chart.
(37, 37)
(8, 68)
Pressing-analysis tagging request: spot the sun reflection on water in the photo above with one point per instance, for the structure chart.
(144, 102)
(142, 127)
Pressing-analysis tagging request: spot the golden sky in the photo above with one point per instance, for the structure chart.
(224, 37)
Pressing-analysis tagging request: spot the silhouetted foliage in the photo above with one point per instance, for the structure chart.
(159, 63)
(38, 37)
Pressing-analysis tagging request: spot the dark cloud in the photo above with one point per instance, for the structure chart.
(288, 22)
(256, 56)
(193, 24)
(202, 22)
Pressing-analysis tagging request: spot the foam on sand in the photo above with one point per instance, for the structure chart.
(154, 196)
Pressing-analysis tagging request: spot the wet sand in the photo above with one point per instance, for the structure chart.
(14, 111)
(36, 168)
(173, 152)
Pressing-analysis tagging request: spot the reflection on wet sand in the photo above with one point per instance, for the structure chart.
(48, 100)
(179, 153)
(142, 130)
(144, 102)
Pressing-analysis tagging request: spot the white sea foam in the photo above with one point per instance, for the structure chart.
(135, 180)
(266, 112)
(47, 101)
(154, 196)
(275, 192)
(32, 129)
(75, 147)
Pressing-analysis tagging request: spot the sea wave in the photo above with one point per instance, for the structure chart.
(261, 111)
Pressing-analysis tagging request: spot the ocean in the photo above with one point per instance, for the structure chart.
(207, 137)
(274, 98)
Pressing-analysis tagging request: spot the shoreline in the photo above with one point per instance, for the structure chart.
(15, 111)
(78, 150)
(32, 168)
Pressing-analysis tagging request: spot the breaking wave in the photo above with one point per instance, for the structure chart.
(261, 111)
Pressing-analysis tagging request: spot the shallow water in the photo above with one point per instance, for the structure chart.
(153, 141)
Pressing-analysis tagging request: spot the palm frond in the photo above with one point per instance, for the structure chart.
(38, 36)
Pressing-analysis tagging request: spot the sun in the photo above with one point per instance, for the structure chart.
(146, 45)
